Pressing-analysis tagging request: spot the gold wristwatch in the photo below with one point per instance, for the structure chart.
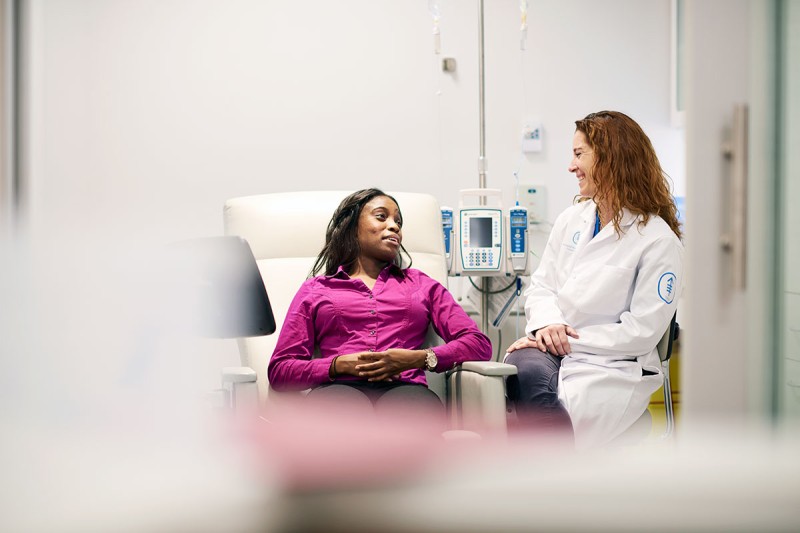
(430, 360)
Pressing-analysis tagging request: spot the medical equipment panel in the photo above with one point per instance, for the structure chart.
(518, 238)
(534, 199)
(447, 229)
(486, 240)
(481, 240)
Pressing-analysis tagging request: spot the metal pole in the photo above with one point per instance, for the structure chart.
(482, 157)
(481, 104)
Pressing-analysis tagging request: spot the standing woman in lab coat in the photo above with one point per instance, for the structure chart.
(604, 292)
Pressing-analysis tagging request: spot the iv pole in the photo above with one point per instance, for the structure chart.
(481, 104)
(482, 158)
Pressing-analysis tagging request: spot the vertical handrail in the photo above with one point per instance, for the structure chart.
(734, 240)
(739, 203)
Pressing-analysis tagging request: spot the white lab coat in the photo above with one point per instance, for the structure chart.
(619, 293)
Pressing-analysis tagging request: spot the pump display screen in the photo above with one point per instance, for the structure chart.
(480, 232)
(518, 220)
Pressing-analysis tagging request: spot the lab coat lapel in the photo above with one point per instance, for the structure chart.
(586, 230)
(607, 231)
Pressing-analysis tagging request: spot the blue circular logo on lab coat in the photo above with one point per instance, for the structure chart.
(666, 287)
(575, 237)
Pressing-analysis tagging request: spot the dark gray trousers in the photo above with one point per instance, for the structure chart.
(534, 391)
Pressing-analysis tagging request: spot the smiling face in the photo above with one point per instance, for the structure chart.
(380, 229)
(582, 164)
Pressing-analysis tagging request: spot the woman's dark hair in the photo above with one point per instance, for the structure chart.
(341, 238)
(626, 170)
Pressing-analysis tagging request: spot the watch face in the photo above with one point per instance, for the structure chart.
(431, 361)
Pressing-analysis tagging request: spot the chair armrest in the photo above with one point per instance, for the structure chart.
(476, 397)
(241, 387)
(489, 368)
(238, 374)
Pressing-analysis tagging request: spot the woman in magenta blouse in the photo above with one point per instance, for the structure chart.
(368, 316)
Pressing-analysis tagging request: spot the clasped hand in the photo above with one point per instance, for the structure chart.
(553, 339)
(379, 366)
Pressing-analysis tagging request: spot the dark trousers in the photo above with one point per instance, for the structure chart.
(534, 391)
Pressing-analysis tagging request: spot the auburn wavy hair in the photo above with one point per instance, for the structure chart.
(626, 172)
(341, 238)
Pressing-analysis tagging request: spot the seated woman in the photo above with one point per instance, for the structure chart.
(604, 292)
(368, 317)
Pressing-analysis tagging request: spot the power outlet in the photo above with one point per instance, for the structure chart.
(534, 197)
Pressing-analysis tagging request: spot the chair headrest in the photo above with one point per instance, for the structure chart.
(262, 220)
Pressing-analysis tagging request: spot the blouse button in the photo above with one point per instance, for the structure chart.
(372, 332)
(372, 312)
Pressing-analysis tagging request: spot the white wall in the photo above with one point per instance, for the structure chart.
(144, 116)
(154, 112)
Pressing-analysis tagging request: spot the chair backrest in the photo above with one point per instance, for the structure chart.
(664, 346)
(286, 232)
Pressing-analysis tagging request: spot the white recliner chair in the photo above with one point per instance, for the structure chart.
(286, 232)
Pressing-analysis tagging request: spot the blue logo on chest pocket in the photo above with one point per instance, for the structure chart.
(575, 237)
(666, 287)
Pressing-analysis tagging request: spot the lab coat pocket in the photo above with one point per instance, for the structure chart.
(607, 291)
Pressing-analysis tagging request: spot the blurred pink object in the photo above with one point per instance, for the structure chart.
(343, 446)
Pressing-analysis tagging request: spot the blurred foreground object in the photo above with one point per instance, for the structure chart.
(717, 479)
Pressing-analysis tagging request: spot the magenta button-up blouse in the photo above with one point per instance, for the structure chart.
(340, 315)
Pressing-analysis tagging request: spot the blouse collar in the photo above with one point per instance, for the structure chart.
(391, 268)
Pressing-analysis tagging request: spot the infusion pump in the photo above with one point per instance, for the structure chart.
(481, 239)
